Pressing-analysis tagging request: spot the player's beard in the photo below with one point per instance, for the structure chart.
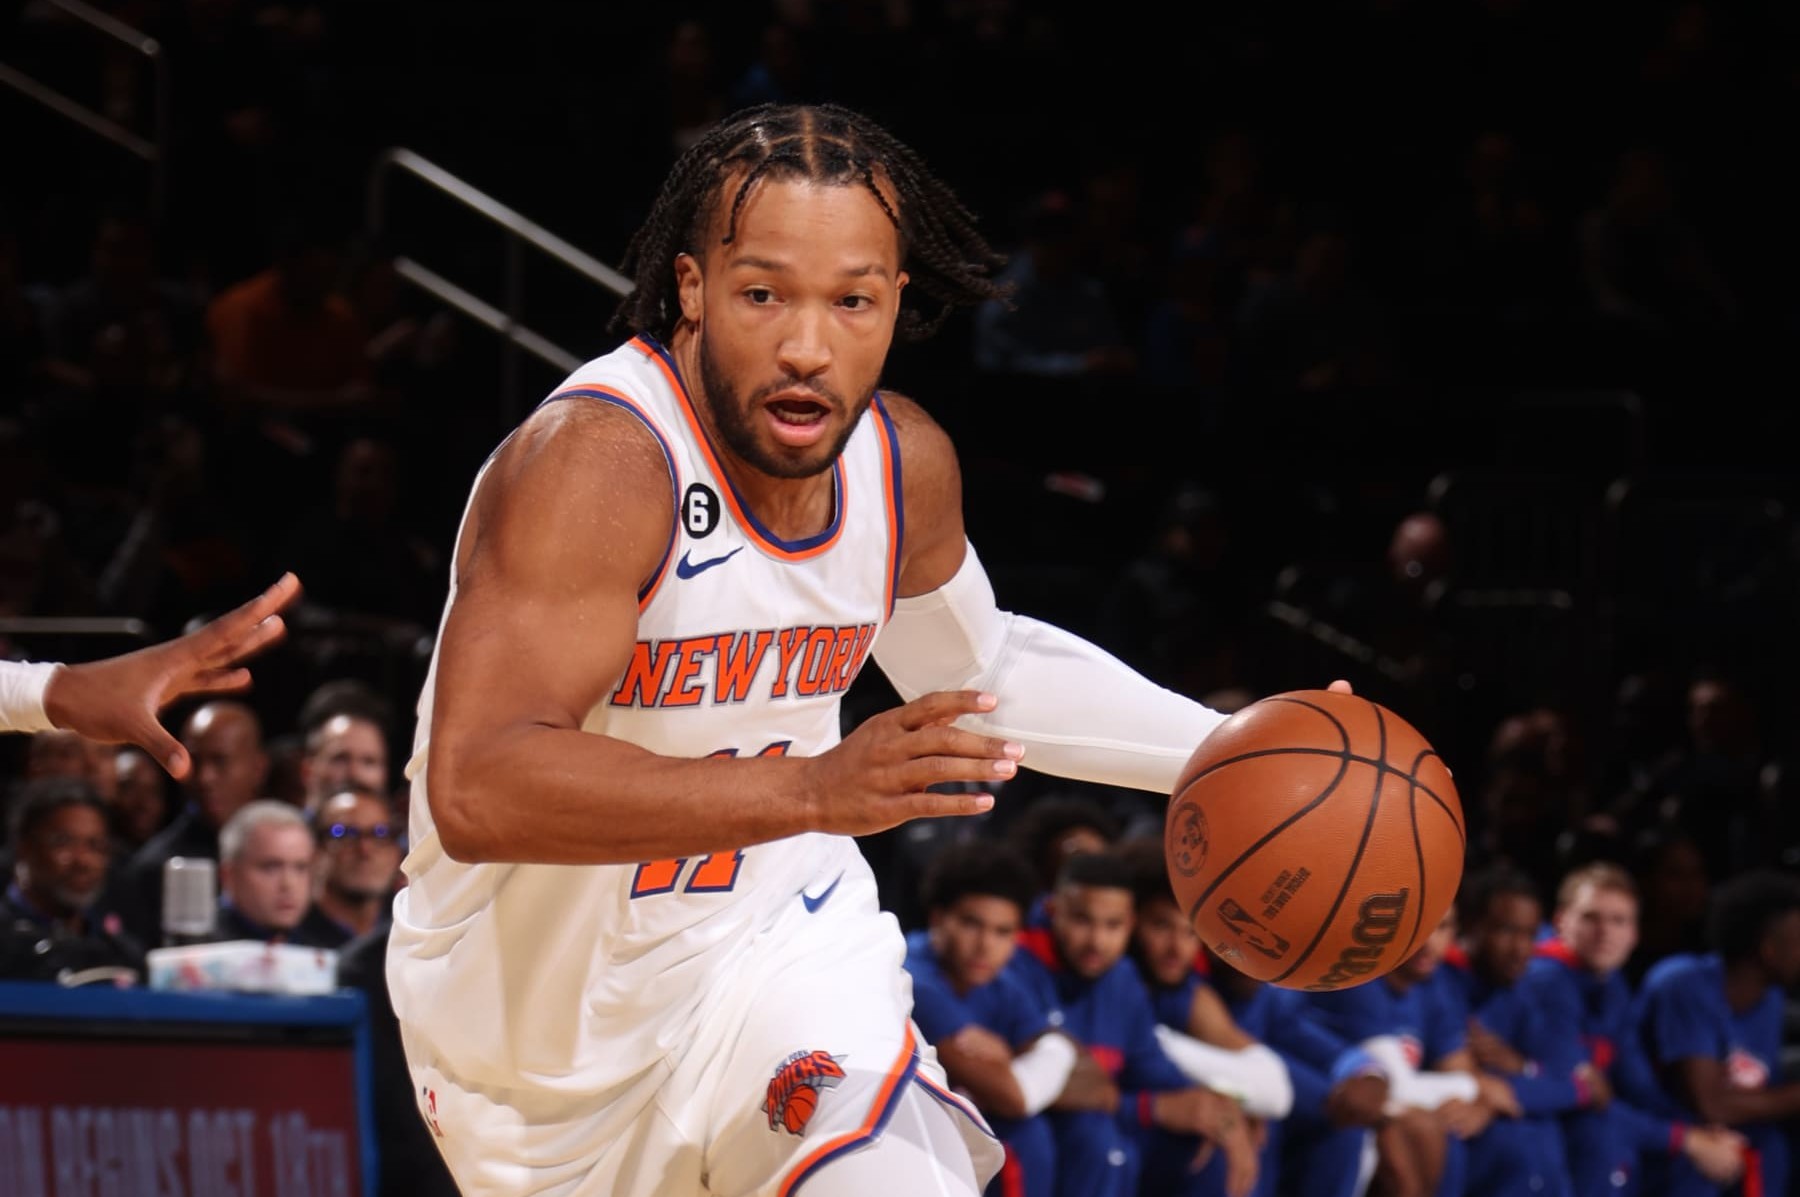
(735, 418)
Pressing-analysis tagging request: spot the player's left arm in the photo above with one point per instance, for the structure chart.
(1210, 1021)
(1079, 711)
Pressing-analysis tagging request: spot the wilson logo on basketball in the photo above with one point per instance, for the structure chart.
(1377, 923)
(794, 1089)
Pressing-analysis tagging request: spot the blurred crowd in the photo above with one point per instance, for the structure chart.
(1431, 346)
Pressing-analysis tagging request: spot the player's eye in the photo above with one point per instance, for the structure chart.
(760, 296)
(856, 303)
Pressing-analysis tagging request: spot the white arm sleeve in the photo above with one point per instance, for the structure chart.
(1255, 1076)
(22, 686)
(1043, 1070)
(1410, 1088)
(1079, 711)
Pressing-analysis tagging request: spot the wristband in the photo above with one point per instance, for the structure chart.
(22, 688)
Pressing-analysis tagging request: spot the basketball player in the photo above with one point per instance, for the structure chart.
(118, 700)
(1576, 983)
(639, 952)
(1712, 1028)
(994, 1040)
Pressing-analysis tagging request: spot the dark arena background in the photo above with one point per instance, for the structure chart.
(1445, 347)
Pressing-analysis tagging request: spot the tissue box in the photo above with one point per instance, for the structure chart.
(245, 966)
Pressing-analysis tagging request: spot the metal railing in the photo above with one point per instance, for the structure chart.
(520, 231)
(153, 150)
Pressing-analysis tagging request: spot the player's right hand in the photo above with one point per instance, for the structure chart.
(877, 778)
(1715, 1152)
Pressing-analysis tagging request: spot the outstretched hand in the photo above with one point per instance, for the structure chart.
(121, 699)
(877, 778)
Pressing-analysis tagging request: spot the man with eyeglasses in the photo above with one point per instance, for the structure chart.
(360, 843)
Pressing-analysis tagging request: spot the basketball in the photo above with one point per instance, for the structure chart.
(799, 1108)
(1314, 840)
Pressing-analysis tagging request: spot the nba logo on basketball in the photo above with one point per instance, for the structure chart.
(794, 1089)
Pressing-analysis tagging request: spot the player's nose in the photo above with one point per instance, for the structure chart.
(805, 351)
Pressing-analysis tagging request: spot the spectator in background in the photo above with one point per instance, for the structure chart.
(995, 1041)
(408, 349)
(51, 921)
(224, 740)
(1077, 965)
(344, 696)
(690, 86)
(1711, 1027)
(1584, 1005)
(1711, 789)
(1325, 1146)
(1507, 1036)
(284, 342)
(266, 854)
(1673, 880)
(1643, 265)
(121, 329)
(1412, 1026)
(1187, 338)
(38, 572)
(59, 753)
(1173, 611)
(357, 556)
(184, 551)
(1312, 330)
(1531, 794)
(345, 752)
(359, 840)
(1055, 827)
(1493, 265)
(140, 801)
(1058, 321)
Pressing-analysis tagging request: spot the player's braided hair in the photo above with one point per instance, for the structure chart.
(946, 257)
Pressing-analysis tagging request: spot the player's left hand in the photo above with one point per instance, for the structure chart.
(120, 699)
(1357, 1101)
(1340, 687)
(1492, 1052)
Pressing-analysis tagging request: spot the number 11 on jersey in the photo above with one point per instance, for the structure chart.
(716, 873)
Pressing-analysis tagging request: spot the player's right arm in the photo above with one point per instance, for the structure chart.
(569, 520)
(1702, 1082)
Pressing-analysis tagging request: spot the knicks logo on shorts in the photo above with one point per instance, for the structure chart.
(795, 1088)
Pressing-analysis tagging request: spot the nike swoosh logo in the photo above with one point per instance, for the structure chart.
(685, 569)
(812, 903)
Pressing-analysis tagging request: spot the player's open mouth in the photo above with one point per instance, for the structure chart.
(798, 411)
(796, 418)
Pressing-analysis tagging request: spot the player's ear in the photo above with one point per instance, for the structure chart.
(690, 286)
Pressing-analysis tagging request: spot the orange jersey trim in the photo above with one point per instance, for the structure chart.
(801, 550)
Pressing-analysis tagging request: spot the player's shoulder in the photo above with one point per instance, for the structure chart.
(922, 440)
(1682, 971)
(577, 438)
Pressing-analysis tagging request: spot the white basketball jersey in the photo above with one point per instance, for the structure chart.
(583, 976)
